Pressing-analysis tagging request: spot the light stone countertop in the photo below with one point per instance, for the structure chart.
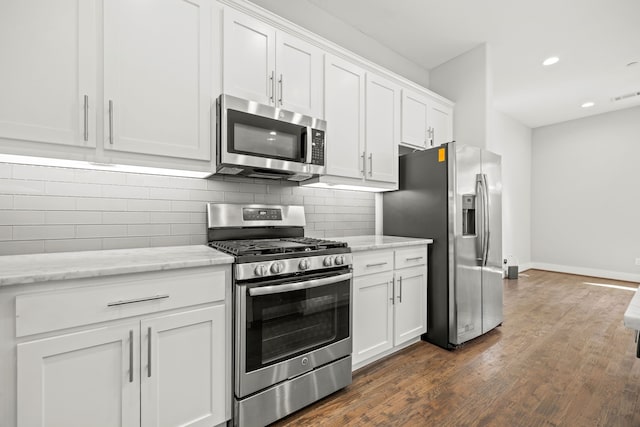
(23, 269)
(369, 242)
(632, 314)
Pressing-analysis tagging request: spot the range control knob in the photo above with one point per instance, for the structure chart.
(277, 267)
(339, 260)
(328, 261)
(261, 270)
(304, 264)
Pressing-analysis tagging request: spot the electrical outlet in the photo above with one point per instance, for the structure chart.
(637, 261)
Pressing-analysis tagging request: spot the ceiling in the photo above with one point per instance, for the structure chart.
(594, 39)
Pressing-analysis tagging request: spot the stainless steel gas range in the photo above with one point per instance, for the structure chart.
(292, 309)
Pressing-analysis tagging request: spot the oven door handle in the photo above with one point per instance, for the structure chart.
(289, 287)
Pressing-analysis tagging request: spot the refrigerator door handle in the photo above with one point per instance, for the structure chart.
(480, 233)
(485, 216)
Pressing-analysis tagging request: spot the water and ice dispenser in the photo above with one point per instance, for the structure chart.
(468, 214)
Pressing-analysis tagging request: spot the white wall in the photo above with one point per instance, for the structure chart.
(315, 19)
(466, 80)
(586, 196)
(512, 140)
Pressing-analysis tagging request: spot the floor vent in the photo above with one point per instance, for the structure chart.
(625, 96)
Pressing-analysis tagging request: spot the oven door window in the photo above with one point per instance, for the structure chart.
(284, 325)
(263, 137)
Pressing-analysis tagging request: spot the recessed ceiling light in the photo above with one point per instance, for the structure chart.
(550, 61)
(588, 104)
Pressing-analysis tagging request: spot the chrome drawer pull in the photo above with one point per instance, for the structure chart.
(135, 300)
(415, 258)
(377, 264)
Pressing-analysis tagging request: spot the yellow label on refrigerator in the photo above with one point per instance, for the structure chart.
(441, 155)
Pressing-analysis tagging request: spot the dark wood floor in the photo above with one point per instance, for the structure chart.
(561, 358)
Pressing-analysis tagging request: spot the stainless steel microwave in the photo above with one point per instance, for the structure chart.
(261, 141)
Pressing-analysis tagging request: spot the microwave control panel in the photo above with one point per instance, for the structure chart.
(317, 147)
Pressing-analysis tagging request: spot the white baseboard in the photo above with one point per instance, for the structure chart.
(593, 272)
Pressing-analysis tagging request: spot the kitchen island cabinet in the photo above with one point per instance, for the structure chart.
(389, 295)
(144, 341)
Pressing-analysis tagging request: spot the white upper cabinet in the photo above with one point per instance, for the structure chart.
(48, 72)
(382, 129)
(157, 77)
(344, 113)
(362, 111)
(425, 121)
(269, 66)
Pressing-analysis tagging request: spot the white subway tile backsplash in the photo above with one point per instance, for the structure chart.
(149, 205)
(149, 230)
(45, 203)
(16, 247)
(73, 217)
(181, 229)
(169, 217)
(125, 191)
(39, 232)
(42, 174)
(94, 231)
(11, 217)
(54, 209)
(21, 186)
(126, 242)
(125, 217)
(6, 201)
(96, 204)
(6, 170)
(6, 232)
(72, 189)
(72, 245)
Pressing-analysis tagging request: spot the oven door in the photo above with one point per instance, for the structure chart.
(290, 326)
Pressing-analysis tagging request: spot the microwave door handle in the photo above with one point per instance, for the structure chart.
(309, 145)
(290, 287)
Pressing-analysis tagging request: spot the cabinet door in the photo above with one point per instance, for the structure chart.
(183, 368)
(157, 77)
(410, 304)
(344, 112)
(48, 67)
(372, 315)
(299, 75)
(382, 129)
(88, 378)
(248, 58)
(440, 119)
(414, 119)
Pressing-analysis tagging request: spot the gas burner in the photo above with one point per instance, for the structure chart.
(274, 246)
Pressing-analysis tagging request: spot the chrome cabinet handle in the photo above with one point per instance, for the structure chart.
(272, 87)
(136, 300)
(149, 352)
(376, 264)
(131, 355)
(110, 122)
(433, 136)
(289, 287)
(363, 163)
(393, 291)
(370, 164)
(86, 117)
(280, 82)
(415, 258)
(400, 293)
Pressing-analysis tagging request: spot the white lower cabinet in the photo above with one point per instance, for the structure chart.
(389, 301)
(166, 367)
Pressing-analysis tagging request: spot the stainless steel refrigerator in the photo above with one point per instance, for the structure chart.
(452, 193)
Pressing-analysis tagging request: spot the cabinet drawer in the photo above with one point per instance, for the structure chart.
(410, 257)
(118, 297)
(372, 262)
